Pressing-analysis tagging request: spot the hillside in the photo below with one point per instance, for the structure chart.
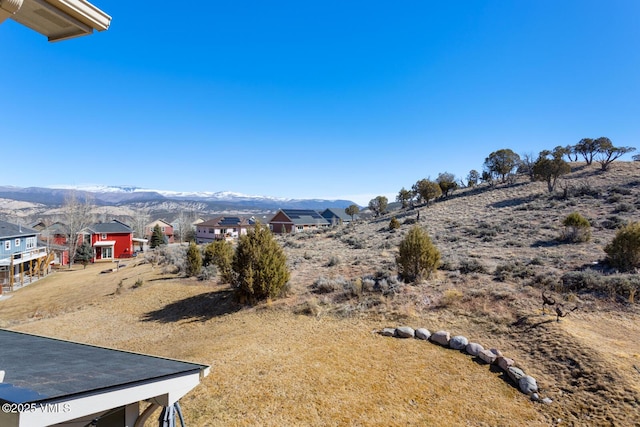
(311, 358)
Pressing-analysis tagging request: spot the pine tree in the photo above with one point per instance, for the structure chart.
(157, 238)
(259, 266)
(84, 254)
(418, 257)
(194, 260)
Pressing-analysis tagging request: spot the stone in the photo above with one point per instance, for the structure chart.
(535, 397)
(388, 332)
(528, 384)
(405, 332)
(473, 348)
(423, 334)
(515, 374)
(547, 401)
(495, 351)
(487, 356)
(458, 342)
(441, 337)
(504, 363)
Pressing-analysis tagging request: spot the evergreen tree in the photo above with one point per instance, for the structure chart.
(220, 254)
(84, 254)
(259, 266)
(194, 260)
(157, 238)
(417, 257)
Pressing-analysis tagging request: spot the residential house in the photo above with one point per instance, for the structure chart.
(110, 240)
(54, 237)
(165, 227)
(297, 220)
(336, 216)
(21, 259)
(222, 228)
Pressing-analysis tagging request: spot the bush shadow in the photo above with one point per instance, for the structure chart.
(198, 308)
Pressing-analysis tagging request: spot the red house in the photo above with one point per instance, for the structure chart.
(110, 240)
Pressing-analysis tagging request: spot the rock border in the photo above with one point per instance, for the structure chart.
(525, 383)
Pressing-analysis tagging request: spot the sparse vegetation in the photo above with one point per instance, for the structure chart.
(577, 228)
(418, 258)
(623, 252)
(394, 223)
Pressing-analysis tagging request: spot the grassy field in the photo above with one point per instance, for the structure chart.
(313, 358)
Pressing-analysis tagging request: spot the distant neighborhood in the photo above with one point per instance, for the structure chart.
(30, 252)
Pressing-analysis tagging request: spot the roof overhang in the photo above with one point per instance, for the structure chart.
(139, 240)
(104, 243)
(63, 381)
(57, 19)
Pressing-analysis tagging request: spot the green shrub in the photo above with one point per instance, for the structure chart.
(194, 260)
(623, 252)
(577, 228)
(220, 254)
(394, 223)
(259, 266)
(418, 257)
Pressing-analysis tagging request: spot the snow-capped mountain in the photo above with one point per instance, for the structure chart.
(128, 194)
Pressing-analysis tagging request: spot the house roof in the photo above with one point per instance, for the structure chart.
(55, 228)
(304, 217)
(159, 222)
(10, 230)
(60, 19)
(110, 227)
(39, 370)
(227, 221)
(331, 213)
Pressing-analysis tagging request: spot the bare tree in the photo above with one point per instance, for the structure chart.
(77, 215)
(183, 225)
(140, 219)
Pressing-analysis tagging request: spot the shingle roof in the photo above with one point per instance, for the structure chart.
(8, 230)
(226, 221)
(110, 227)
(38, 368)
(331, 213)
(305, 217)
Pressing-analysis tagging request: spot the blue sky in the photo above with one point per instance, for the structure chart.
(310, 99)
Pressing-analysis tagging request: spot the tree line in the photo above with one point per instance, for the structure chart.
(502, 166)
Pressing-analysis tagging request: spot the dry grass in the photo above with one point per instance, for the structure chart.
(312, 359)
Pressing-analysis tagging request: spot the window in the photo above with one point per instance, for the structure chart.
(300, 227)
(162, 229)
(103, 236)
(17, 243)
(107, 252)
(31, 242)
(7, 245)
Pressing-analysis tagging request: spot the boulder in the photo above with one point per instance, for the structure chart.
(504, 363)
(495, 351)
(515, 374)
(441, 337)
(528, 384)
(423, 334)
(388, 332)
(547, 401)
(458, 342)
(473, 348)
(405, 332)
(487, 356)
